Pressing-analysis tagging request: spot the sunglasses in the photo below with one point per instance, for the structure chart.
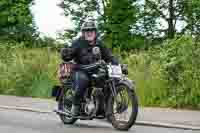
(88, 30)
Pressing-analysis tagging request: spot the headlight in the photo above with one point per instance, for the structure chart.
(124, 69)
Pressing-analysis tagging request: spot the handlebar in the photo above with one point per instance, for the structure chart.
(93, 65)
(90, 66)
(99, 63)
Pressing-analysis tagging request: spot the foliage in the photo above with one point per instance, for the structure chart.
(180, 65)
(28, 72)
(135, 19)
(17, 21)
(180, 17)
(145, 70)
(166, 76)
(114, 25)
(191, 11)
(120, 22)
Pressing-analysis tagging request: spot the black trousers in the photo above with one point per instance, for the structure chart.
(80, 82)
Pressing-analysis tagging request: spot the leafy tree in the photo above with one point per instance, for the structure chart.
(171, 12)
(168, 11)
(191, 13)
(122, 16)
(16, 21)
(114, 18)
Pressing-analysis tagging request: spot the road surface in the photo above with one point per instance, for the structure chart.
(13, 121)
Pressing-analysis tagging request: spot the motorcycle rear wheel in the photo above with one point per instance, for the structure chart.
(64, 103)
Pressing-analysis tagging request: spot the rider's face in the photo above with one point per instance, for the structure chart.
(90, 35)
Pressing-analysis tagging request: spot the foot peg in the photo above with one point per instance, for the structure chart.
(60, 112)
(69, 114)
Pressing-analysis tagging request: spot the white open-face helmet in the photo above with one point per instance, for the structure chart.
(89, 25)
(89, 30)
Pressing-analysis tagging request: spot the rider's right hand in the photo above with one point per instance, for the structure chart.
(67, 54)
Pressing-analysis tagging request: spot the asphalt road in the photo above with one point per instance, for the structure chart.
(13, 121)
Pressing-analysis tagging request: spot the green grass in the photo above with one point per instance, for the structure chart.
(28, 72)
(147, 76)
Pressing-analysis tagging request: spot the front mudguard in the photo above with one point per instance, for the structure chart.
(127, 82)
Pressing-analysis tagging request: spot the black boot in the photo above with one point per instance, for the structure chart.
(75, 110)
(75, 105)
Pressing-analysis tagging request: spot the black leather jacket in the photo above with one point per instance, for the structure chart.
(83, 52)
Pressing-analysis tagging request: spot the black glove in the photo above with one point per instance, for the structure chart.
(67, 54)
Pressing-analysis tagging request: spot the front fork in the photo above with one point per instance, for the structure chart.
(113, 88)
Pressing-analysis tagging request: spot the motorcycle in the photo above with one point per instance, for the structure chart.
(116, 96)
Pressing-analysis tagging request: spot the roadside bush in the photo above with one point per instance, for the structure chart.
(180, 68)
(145, 70)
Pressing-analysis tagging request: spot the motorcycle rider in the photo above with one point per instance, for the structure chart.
(82, 54)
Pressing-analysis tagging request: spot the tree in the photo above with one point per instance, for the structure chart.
(16, 21)
(168, 11)
(171, 12)
(122, 16)
(114, 18)
(191, 15)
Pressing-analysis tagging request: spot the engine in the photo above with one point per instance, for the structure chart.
(90, 107)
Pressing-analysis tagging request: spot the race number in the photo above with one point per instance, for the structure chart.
(115, 71)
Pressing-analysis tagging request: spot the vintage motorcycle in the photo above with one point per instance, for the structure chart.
(117, 96)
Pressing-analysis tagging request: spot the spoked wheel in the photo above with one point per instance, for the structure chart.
(65, 104)
(123, 108)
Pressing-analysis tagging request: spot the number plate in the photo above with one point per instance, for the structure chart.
(114, 71)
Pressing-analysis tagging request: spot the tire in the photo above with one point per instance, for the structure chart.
(111, 118)
(62, 105)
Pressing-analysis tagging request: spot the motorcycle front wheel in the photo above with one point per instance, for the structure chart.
(125, 102)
